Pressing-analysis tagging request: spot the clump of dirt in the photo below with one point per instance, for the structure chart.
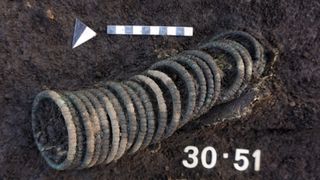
(36, 54)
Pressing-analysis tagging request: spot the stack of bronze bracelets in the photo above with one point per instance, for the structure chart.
(84, 128)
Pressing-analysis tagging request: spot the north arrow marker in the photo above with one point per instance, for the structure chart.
(82, 33)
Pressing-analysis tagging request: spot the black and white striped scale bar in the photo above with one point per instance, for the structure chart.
(149, 30)
(82, 33)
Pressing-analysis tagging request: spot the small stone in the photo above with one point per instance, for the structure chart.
(306, 54)
(28, 4)
(50, 14)
(292, 104)
(167, 168)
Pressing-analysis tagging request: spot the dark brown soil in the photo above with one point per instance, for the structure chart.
(50, 131)
(36, 54)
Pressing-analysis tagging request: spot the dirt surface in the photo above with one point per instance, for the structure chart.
(36, 54)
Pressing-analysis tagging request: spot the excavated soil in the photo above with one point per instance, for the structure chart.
(36, 54)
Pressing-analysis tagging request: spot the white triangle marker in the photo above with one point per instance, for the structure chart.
(82, 33)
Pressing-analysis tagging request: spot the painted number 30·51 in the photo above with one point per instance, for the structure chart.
(241, 158)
